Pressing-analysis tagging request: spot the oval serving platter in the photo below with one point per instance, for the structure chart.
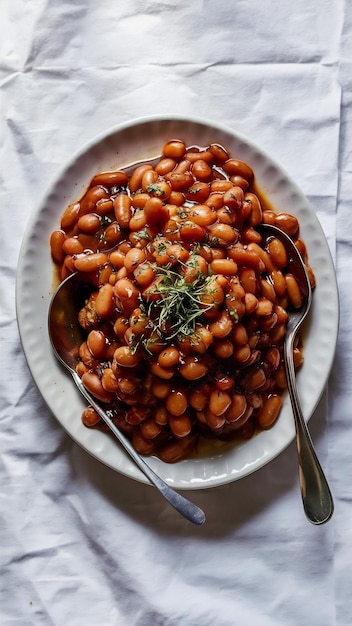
(119, 147)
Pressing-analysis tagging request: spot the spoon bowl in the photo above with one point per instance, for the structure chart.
(316, 496)
(66, 337)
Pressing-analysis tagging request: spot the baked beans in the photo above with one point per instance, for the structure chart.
(188, 310)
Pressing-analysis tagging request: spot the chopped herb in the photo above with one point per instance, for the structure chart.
(234, 314)
(182, 214)
(155, 189)
(143, 234)
(160, 247)
(105, 221)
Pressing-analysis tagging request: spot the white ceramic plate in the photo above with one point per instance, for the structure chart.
(128, 143)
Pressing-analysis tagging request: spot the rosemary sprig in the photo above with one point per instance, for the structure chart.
(179, 305)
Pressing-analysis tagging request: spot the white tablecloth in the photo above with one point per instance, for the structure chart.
(81, 544)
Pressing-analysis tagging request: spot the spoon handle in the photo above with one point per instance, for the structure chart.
(317, 499)
(186, 508)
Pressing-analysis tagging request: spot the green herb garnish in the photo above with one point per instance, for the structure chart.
(179, 304)
(155, 190)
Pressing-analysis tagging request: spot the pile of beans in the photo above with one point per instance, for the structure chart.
(188, 311)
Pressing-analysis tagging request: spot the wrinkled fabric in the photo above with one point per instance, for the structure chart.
(79, 543)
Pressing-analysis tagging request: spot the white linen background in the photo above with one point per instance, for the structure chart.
(80, 544)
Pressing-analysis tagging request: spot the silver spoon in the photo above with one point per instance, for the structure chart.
(66, 336)
(317, 499)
